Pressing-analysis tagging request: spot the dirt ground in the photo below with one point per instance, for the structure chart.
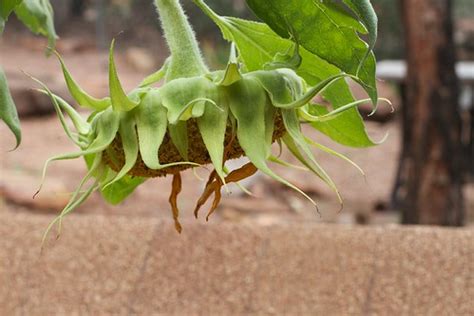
(20, 170)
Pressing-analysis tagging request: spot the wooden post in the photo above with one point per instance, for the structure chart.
(433, 169)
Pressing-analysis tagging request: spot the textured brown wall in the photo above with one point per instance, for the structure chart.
(118, 265)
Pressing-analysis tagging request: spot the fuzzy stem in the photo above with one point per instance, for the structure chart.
(186, 59)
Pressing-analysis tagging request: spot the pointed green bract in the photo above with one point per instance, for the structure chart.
(334, 153)
(120, 101)
(212, 126)
(251, 128)
(82, 127)
(106, 127)
(232, 74)
(156, 76)
(290, 119)
(129, 139)
(79, 95)
(341, 131)
(179, 137)
(178, 95)
(248, 101)
(275, 85)
(62, 119)
(78, 197)
(330, 115)
(286, 164)
(151, 126)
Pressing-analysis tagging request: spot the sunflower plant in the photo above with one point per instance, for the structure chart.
(185, 115)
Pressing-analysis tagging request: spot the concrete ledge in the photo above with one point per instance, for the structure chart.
(121, 265)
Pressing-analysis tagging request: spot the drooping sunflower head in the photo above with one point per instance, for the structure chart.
(191, 121)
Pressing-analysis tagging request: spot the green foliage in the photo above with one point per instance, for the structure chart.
(327, 31)
(37, 15)
(258, 45)
(7, 109)
(6, 8)
(119, 190)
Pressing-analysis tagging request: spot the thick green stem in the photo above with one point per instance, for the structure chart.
(186, 59)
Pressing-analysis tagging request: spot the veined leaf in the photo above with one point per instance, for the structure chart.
(38, 16)
(8, 110)
(342, 131)
(326, 30)
(366, 13)
(258, 44)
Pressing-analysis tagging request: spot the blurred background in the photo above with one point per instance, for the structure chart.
(86, 28)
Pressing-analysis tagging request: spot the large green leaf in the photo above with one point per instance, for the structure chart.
(366, 13)
(347, 129)
(341, 131)
(325, 29)
(7, 109)
(258, 44)
(38, 16)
